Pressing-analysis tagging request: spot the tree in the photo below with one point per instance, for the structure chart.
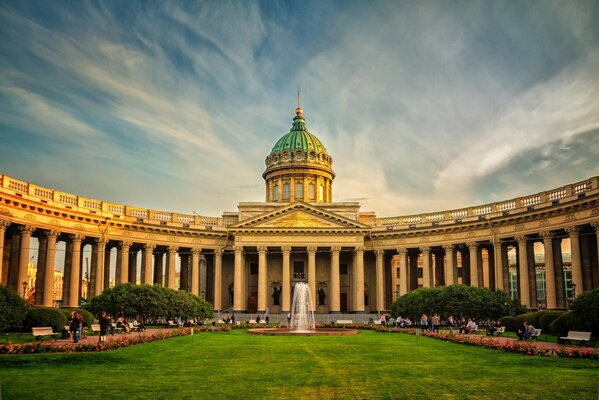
(150, 303)
(586, 309)
(457, 300)
(12, 308)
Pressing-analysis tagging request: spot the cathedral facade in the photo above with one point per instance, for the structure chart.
(541, 248)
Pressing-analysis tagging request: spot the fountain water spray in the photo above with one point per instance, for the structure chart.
(302, 314)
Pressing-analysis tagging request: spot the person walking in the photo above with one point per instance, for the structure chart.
(104, 321)
(423, 321)
(74, 327)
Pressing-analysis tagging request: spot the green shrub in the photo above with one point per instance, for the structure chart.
(531, 317)
(568, 321)
(548, 317)
(509, 322)
(586, 308)
(87, 316)
(42, 317)
(12, 308)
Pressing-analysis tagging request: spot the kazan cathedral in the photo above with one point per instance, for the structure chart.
(541, 248)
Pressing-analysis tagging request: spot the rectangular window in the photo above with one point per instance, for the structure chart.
(320, 193)
(312, 191)
(299, 190)
(253, 268)
(276, 193)
(540, 275)
(286, 191)
(459, 272)
(397, 273)
(513, 277)
(343, 269)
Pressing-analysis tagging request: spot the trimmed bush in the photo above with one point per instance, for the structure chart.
(586, 308)
(509, 323)
(531, 317)
(87, 316)
(41, 317)
(548, 317)
(568, 321)
(12, 308)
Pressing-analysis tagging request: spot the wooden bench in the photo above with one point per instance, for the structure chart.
(172, 324)
(536, 335)
(344, 322)
(576, 335)
(133, 327)
(500, 331)
(39, 332)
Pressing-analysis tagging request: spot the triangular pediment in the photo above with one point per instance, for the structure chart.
(300, 216)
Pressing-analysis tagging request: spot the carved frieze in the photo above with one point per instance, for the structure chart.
(519, 227)
(29, 217)
(543, 222)
(570, 217)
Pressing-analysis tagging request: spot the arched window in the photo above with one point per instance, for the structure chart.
(321, 192)
(276, 193)
(299, 190)
(286, 193)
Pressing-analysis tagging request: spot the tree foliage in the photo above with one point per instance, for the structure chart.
(586, 309)
(12, 308)
(457, 300)
(149, 303)
(44, 316)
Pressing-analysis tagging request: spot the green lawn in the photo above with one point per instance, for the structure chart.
(237, 366)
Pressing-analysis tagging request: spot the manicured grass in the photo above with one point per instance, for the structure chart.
(236, 366)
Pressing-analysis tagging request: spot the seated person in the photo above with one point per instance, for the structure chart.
(471, 326)
(257, 319)
(493, 327)
(530, 332)
(522, 330)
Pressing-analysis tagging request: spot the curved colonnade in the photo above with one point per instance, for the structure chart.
(355, 262)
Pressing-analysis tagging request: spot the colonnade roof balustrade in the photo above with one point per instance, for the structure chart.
(506, 208)
(131, 214)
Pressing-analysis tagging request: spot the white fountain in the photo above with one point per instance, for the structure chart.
(302, 312)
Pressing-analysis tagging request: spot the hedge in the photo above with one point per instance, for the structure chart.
(12, 308)
(568, 321)
(548, 317)
(509, 323)
(40, 316)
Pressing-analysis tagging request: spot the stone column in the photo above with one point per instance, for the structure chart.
(133, 267)
(449, 265)
(262, 280)
(380, 283)
(574, 233)
(474, 268)
(123, 262)
(426, 266)
(550, 297)
(203, 274)
(147, 263)
(75, 272)
(498, 253)
(596, 226)
(48, 298)
(184, 271)
(38, 281)
(26, 232)
(238, 280)
(171, 278)
(195, 271)
(358, 278)
(107, 254)
(523, 271)
(312, 275)
(286, 285)
(3, 226)
(335, 289)
(97, 268)
(403, 272)
(218, 276)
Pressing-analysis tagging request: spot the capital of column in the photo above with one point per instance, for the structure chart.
(546, 235)
(196, 251)
(471, 244)
(149, 247)
(425, 249)
(172, 249)
(448, 247)
(51, 234)
(402, 250)
(379, 252)
(286, 249)
(311, 249)
(76, 238)
(100, 241)
(125, 246)
(335, 249)
(572, 230)
(262, 249)
(26, 229)
(359, 249)
(4, 224)
(521, 239)
(218, 252)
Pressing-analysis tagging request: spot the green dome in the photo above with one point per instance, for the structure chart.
(298, 138)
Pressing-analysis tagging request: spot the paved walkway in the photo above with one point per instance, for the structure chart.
(96, 338)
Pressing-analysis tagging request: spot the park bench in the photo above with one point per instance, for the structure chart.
(39, 332)
(500, 331)
(344, 322)
(172, 324)
(133, 327)
(577, 336)
(536, 335)
(95, 328)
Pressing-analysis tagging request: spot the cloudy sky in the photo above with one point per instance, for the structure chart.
(423, 105)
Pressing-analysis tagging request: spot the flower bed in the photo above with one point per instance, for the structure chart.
(511, 346)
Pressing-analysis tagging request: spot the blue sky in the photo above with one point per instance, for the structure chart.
(423, 105)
